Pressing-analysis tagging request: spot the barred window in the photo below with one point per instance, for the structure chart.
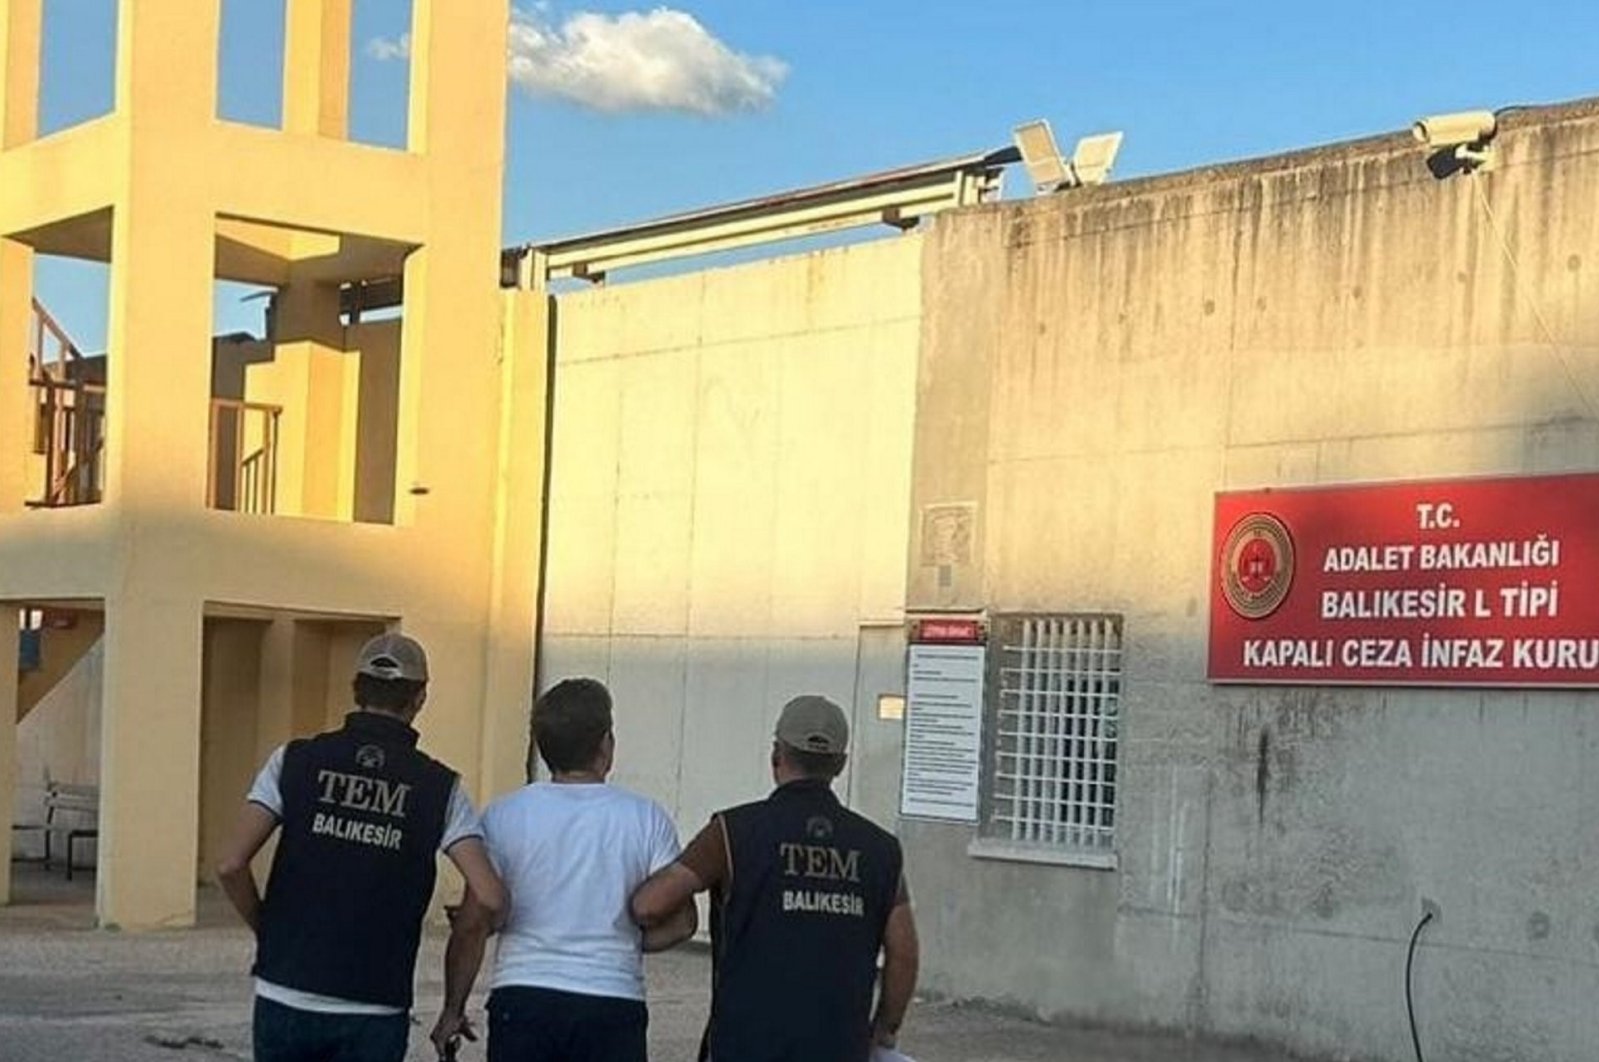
(1056, 699)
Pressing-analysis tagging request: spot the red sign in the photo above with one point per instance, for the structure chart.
(1479, 582)
(957, 630)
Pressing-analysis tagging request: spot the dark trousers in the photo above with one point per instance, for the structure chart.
(288, 1034)
(543, 1025)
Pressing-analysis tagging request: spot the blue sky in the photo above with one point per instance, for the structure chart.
(774, 95)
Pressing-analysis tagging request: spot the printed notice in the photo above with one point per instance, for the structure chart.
(943, 732)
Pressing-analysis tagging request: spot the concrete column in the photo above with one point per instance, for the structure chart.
(294, 683)
(316, 68)
(162, 253)
(8, 742)
(445, 462)
(457, 104)
(292, 696)
(275, 718)
(157, 417)
(313, 341)
(229, 708)
(16, 404)
(150, 758)
(518, 542)
(21, 28)
(21, 36)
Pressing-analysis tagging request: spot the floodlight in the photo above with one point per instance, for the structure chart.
(1041, 155)
(1095, 155)
(1050, 172)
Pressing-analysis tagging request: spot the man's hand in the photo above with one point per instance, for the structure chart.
(451, 1029)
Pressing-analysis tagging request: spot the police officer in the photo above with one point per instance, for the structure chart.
(363, 814)
(805, 894)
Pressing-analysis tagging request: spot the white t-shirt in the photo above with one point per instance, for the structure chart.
(460, 822)
(571, 856)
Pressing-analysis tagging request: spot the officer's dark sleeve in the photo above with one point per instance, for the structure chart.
(706, 854)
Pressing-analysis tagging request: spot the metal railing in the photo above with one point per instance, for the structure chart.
(243, 473)
(69, 416)
(244, 438)
(51, 349)
(70, 434)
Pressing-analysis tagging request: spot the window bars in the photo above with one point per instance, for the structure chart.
(1053, 765)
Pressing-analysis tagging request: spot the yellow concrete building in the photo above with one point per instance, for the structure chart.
(236, 517)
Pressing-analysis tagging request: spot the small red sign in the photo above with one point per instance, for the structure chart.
(950, 630)
(1477, 582)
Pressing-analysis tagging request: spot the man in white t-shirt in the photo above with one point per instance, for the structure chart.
(568, 979)
(363, 814)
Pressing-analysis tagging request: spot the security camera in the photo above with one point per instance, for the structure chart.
(1459, 141)
(1453, 130)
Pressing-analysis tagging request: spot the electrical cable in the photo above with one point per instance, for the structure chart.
(1559, 348)
(1410, 999)
(1512, 108)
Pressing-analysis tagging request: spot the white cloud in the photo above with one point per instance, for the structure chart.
(386, 48)
(663, 59)
(637, 61)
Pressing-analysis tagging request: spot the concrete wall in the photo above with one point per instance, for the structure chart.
(728, 506)
(1095, 366)
(61, 647)
(59, 741)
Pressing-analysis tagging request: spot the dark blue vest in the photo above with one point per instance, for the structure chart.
(796, 934)
(363, 814)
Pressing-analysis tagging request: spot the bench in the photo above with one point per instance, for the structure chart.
(80, 807)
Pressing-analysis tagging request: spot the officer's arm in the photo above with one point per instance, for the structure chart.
(679, 926)
(703, 865)
(901, 959)
(667, 892)
(471, 858)
(255, 825)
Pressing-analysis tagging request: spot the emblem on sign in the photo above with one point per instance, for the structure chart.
(1257, 565)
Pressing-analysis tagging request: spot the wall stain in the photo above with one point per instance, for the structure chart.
(1262, 775)
(1325, 905)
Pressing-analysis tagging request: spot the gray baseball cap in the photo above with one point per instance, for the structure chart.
(393, 656)
(811, 723)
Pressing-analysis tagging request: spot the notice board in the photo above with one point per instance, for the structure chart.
(943, 732)
(1469, 582)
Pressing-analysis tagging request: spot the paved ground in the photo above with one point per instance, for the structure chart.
(68, 992)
